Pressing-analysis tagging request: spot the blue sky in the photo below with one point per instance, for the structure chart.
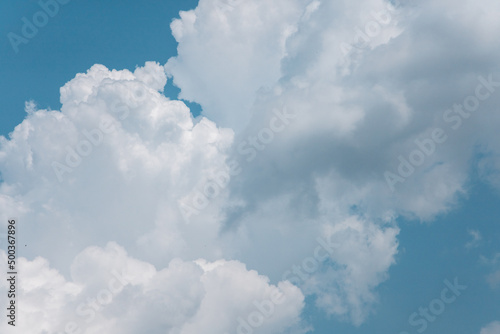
(238, 134)
(117, 35)
(429, 254)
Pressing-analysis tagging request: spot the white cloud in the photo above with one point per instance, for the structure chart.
(356, 114)
(364, 109)
(363, 254)
(111, 292)
(74, 182)
(228, 50)
(128, 186)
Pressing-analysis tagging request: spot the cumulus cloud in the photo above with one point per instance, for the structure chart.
(366, 107)
(111, 292)
(113, 165)
(117, 143)
(228, 50)
(117, 162)
(315, 102)
(385, 124)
